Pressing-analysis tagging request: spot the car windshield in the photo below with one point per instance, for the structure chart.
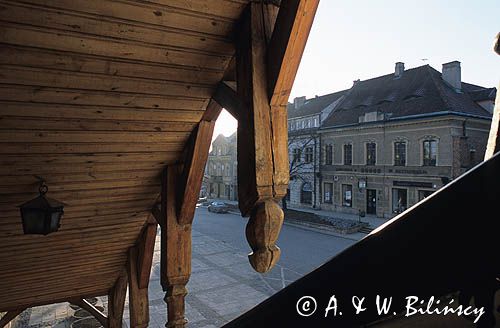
(217, 203)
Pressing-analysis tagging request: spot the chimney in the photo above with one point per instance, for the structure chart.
(398, 71)
(452, 75)
(299, 101)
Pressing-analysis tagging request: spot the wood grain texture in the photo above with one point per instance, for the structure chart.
(97, 97)
(255, 166)
(146, 248)
(286, 46)
(494, 138)
(268, 51)
(96, 313)
(138, 297)
(175, 251)
(116, 300)
(194, 168)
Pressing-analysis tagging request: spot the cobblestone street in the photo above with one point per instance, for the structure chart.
(223, 285)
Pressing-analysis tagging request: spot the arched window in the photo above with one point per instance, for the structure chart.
(306, 193)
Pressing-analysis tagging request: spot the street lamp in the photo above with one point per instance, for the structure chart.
(41, 215)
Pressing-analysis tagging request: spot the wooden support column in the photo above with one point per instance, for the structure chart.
(175, 251)
(138, 297)
(9, 316)
(116, 301)
(145, 257)
(494, 138)
(267, 58)
(181, 186)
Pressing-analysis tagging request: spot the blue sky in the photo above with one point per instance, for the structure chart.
(361, 39)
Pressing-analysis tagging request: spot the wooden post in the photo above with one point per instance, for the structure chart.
(175, 251)
(138, 297)
(256, 189)
(269, 47)
(494, 137)
(116, 301)
(9, 316)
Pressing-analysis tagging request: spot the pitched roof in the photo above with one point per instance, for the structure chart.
(419, 91)
(314, 105)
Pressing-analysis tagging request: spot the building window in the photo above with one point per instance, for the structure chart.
(307, 123)
(306, 193)
(296, 155)
(399, 200)
(422, 194)
(400, 153)
(316, 122)
(309, 155)
(328, 193)
(371, 153)
(347, 195)
(430, 153)
(329, 155)
(348, 154)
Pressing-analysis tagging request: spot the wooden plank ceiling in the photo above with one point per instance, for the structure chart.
(96, 97)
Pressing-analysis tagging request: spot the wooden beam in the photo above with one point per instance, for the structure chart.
(257, 190)
(116, 301)
(194, 166)
(229, 99)
(84, 304)
(157, 214)
(494, 137)
(288, 40)
(145, 259)
(212, 111)
(138, 297)
(9, 316)
(175, 251)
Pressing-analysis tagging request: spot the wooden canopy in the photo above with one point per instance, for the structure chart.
(98, 98)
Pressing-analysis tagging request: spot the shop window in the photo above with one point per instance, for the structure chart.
(306, 193)
(399, 200)
(328, 193)
(347, 195)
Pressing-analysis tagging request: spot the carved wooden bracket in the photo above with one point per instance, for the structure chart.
(268, 50)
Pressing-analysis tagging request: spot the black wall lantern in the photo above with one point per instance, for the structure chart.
(41, 215)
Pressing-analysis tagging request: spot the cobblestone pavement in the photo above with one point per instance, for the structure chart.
(222, 286)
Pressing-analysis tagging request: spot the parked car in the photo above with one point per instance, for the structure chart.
(202, 199)
(218, 207)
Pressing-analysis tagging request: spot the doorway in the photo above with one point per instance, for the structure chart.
(371, 201)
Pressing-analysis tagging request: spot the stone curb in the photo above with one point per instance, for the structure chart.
(313, 227)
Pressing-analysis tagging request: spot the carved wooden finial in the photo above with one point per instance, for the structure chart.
(262, 232)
